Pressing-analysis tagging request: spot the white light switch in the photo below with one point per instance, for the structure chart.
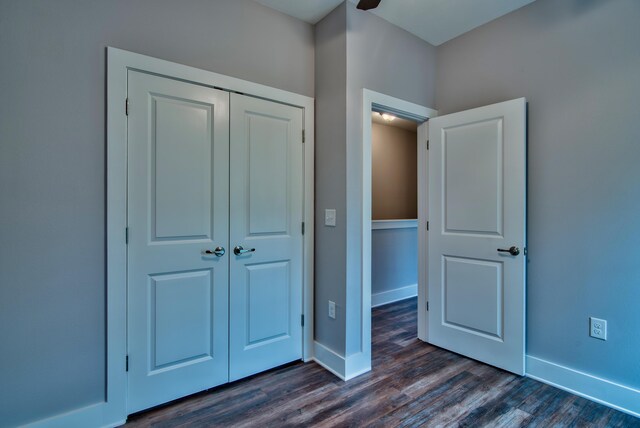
(329, 217)
(332, 309)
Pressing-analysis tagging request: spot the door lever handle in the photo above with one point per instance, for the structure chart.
(219, 251)
(238, 250)
(514, 251)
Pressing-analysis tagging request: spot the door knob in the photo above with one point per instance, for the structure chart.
(238, 250)
(514, 251)
(219, 251)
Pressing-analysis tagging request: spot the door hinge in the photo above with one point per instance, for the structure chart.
(427, 305)
(303, 136)
(126, 364)
(427, 144)
(303, 227)
(302, 320)
(126, 235)
(126, 107)
(427, 226)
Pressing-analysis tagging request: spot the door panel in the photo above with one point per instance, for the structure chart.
(473, 178)
(266, 199)
(268, 289)
(178, 184)
(473, 296)
(180, 172)
(180, 302)
(477, 172)
(268, 173)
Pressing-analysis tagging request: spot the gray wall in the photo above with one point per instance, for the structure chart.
(394, 173)
(578, 64)
(394, 259)
(386, 59)
(330, 175)
(354, 50)
(52, 166)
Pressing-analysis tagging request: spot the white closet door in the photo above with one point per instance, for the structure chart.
(178, 189)
(477, 171)
(266, 201)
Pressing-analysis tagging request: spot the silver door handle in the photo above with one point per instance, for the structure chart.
(219, 251)
(238, 250)
(514, 251)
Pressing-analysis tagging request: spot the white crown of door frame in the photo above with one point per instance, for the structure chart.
(112, 411)
(371, 99)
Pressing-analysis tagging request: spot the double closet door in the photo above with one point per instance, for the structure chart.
(215, 200)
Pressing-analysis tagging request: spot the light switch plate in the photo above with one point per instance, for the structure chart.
(330, 217)
(332, 309)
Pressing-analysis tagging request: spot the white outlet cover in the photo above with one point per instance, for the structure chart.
(598, 328)
(330, 217)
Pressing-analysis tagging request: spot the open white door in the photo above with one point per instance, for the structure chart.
(477, 208)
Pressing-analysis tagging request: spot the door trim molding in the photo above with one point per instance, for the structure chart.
(114, 408)
(371, 99)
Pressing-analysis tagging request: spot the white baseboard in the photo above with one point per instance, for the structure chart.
(357, 364)
(94, 415)
(602, 391)
(329, 359)
(385, 297)
(344, 368)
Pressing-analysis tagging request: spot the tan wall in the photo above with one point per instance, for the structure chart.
(394, 173)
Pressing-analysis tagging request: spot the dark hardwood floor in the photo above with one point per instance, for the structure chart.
(411, 384)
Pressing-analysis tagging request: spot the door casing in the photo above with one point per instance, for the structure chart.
(113, 410)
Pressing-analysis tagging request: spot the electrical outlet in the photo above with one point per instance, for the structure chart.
(330, 217)
(332, 309)
(598, 328)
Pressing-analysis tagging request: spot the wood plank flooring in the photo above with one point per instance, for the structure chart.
(412, 384)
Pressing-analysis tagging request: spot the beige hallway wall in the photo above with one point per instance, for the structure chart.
(394, 173)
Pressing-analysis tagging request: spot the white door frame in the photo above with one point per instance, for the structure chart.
(371, 99)
(118, 63)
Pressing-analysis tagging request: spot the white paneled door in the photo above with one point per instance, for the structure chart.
(186, 288)
(178, 173)
(266, 202)
(476, 268)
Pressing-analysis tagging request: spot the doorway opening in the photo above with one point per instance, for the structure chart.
(394, 208)
(394, 225)
(374, 102)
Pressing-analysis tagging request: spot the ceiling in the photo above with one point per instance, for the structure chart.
(434, 21)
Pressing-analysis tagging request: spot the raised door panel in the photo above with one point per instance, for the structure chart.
(472, 291)
(181, 167)
(268, 169)
(181, 325)
(472, 185)
(267, 299)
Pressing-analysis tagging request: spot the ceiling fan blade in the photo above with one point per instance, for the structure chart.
(368, 4)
